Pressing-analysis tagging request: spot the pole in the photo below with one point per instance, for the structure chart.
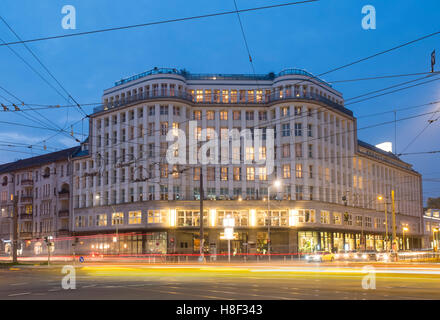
(403, 243)
(269, 221)
(48, 253)
(229, 250)
(202, 238)
(394, 219)
(386, 224)
(14, 229)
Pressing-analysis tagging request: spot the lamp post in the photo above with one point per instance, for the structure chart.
(434, 241)
(404, 229)
(277, 185)
(115, 239)
(380, 198)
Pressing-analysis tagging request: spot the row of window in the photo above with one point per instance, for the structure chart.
(242, 218)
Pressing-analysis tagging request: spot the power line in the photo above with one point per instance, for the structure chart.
(159, 22)
(390, 76)
(393, 91)
(387, 88)
(381, 53)
(43, 65)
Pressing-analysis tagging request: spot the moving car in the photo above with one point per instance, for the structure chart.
(320, 256)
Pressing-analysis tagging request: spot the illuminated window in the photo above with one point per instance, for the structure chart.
(233, 96)
(197, 115)
(286, 171)
(337, 218)
(223, 115)
(134, 217)
(262, 173)
(101, 220)
(250, 174)
(298, 171)
(210, 114)
(325, 217)
(249, 153)
(251, 97)
(259, 95)
(262, 153)
(237, 173)
(225, 96)
(157, 216)
(199, 95)
(224, 173)
(117, 218)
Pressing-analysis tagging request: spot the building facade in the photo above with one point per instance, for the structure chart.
(41, 185)
(431, 227)
(128, 198)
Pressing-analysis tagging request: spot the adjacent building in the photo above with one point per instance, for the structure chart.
(42, 187)
(431, 227)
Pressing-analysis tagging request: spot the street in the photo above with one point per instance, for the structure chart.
(134, 281)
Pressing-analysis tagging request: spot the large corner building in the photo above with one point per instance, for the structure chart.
(127, 199)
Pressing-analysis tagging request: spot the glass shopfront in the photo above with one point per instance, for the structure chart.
(307, 241)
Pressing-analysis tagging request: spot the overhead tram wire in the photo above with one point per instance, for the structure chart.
(39, 74)
(215, 14)
(53, 77)
(376, 55)
(269, 122)
(42, 65)
(393, 91)
(388, 88)
(390, 76)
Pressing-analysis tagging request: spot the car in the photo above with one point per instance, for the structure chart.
(367, 256)
(343, 255)
(385, 256)
(320, 256)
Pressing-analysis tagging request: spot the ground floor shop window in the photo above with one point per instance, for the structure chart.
(307, 241)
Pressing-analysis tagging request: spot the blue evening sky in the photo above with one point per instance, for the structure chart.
(316, 37)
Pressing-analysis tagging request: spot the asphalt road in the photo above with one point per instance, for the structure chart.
(227, 282)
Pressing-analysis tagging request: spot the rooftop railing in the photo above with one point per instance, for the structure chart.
(219, 76)
(181, 95)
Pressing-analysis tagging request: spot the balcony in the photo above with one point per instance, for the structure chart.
(263, 100)
(63, 213)
(26, 216)
(26, 199)
(27, 182)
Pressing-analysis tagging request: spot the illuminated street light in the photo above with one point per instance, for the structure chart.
(380, 198)
(404, 229)
(277, 185)
(434, 241)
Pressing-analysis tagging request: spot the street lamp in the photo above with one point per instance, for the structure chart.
(115, 239)
(380, 198)
(277, 185)
(404, 229)
(434, 241)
